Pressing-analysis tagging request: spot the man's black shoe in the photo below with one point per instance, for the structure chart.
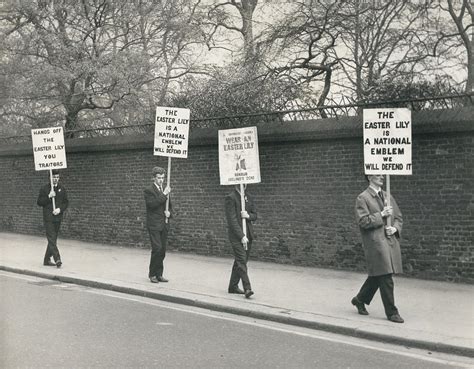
(49, 263)
(236, 290)
(248, 293)
(58, 264)
(360, 306)
(396, 318)
(161, 279)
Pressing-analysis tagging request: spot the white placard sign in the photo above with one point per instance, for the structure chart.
(49, 151)
(171, 132)
(238, 156)
(387, 141)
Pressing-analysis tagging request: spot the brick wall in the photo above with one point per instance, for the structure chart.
(311, 174)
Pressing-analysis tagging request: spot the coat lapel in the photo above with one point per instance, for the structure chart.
(376, 198)
(156, 191)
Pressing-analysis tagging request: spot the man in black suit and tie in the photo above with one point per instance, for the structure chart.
(52, 217)
(241, 244)
(157, 223)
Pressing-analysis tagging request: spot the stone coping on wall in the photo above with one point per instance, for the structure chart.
(424, 122)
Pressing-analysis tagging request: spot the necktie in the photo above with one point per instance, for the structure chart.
(381, 196)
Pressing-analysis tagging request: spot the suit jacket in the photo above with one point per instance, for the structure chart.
(382, 253)
(234, 219)
(155, 202)
(61, 202)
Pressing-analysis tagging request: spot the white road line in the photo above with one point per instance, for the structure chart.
(20, 276)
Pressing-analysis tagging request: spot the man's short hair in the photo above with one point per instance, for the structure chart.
(55, 172)
(157, 170)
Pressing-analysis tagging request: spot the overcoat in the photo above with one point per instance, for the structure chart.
(382, 252)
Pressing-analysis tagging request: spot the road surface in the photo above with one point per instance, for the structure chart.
(48, 324)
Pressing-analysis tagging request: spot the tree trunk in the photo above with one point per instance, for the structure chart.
(246, 12)
(325, 92)
(71, 123)
(470, 61)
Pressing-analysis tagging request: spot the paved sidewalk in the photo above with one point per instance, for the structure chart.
(439, 316)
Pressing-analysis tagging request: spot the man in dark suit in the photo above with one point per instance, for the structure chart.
(52, 217)
(156, 223)
(381, 246)
(241, 244)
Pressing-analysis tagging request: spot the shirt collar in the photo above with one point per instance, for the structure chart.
(376, 189)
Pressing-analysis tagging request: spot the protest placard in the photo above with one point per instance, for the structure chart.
(239, 161)
(171, 132)
(238, 156)
(171, 136)
(387, 141)
(49, 151)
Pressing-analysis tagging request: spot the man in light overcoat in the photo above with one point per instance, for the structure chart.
(381, 246)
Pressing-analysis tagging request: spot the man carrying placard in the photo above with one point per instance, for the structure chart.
(54, 201)
(49, 153)
(239, 165)
(387, 150)
(171, 140)
(241, 243)
(381, 246)
(157, 223)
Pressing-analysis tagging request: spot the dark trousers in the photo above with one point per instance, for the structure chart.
(239, 269)
(158, 239)
(385, 284)
(52, 231)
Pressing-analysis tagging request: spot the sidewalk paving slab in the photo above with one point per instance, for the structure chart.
(439, 316)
